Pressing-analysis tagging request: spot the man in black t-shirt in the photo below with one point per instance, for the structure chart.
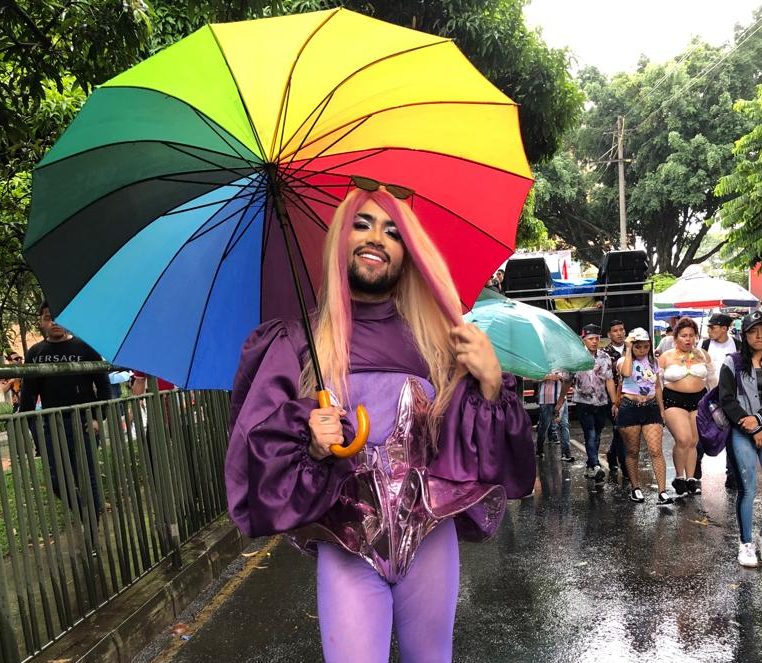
(59, 346)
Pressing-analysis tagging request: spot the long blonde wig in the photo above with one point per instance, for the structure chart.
(425, 296)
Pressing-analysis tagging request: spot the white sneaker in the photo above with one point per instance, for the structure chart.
(589, 472)
(747, 554)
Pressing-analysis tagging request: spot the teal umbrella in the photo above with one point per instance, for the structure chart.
(529, 341)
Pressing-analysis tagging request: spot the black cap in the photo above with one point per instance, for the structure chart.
(720, 320)
(751, 320)
(590, 330)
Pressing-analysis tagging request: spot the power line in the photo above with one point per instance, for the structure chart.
(669, 70)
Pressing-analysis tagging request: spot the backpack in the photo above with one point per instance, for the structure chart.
(713, 426)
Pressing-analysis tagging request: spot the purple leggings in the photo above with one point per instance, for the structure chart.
(357, 607)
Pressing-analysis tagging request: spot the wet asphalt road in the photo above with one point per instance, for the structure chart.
(573, 575)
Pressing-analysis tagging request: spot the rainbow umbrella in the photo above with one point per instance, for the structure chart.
(163, 218)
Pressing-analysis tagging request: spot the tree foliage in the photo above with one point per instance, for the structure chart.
(52, 54)
(741, 214)
(679, 134)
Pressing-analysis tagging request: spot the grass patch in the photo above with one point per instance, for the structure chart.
(5, 409)
(17, 501)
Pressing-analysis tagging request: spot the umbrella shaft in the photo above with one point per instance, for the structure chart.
(285, 226)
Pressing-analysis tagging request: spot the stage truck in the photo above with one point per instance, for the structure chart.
(620, 292)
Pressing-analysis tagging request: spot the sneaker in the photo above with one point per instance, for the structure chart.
(680, 485)
(664, 499)
(698, 487)
(589, 472)
(691, 485)
(599, 475)
(636, 495)
(567, 458)
(747, 554)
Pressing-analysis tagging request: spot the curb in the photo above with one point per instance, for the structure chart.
(119, 630)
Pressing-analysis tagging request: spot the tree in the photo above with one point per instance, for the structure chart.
(680, 129)
(741, 215)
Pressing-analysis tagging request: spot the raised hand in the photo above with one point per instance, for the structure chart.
(474, 352)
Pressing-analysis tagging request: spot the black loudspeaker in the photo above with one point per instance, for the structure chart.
(623, 267)
(528, 277)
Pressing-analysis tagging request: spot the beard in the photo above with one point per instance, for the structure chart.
(381, 285)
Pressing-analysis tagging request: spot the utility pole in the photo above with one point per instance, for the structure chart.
(620, 163)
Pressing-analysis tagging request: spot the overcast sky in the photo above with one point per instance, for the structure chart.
(612, 35)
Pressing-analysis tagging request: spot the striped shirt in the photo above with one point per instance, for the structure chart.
(548, 390)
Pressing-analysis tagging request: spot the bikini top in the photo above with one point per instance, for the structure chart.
(675, 372)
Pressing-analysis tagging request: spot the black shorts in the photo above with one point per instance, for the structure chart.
(688, 402)
(632, 413)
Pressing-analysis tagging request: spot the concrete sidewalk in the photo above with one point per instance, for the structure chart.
(120, 630)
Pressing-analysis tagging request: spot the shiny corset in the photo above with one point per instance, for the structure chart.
(391, 502)
(675, 372)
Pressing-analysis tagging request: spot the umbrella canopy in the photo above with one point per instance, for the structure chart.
(154, 231)
(699, 291)
(529, 341)
(667, 313)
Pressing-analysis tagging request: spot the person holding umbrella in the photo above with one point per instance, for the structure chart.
(449, 438)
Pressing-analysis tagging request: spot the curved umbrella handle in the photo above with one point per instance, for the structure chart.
(363, 428)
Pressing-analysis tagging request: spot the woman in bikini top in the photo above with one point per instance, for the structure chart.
(685, 370)
(676, 372)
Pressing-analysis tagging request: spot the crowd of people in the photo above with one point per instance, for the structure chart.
(641, 391)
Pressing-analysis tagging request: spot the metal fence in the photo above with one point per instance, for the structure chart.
(95, 496)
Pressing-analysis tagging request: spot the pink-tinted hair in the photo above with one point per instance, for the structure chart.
(425, 296)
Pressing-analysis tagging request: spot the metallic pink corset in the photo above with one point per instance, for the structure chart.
(391, 502)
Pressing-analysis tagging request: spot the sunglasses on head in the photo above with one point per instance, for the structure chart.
(369, 184)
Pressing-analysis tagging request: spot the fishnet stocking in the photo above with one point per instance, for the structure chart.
(653, 437)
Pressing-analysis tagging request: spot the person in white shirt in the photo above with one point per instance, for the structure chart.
(718, 345)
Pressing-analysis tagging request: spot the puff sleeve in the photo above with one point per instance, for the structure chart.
(273, 484)
(487, 441)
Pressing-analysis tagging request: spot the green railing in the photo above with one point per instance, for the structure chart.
(95, 496)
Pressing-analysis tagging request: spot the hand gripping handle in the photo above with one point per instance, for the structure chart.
(363, 429)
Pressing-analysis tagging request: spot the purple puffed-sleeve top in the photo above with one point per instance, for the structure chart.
(274, 485)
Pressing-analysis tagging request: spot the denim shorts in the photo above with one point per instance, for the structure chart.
(632, 413)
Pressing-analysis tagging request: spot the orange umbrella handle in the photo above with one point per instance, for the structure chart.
(363, 429)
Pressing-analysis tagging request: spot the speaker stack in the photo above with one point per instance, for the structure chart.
(616, 271)
(528, 277)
